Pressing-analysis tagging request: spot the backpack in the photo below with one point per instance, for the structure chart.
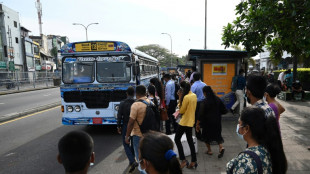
(151, 119)
(234, 83)
(176, 87)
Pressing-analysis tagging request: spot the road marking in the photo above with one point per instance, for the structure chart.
(47, 95)
(1, 103)
(26, 116)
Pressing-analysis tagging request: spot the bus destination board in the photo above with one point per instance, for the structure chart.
(94, 46)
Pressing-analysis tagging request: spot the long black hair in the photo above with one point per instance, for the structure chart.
(153, 147)
(186, 87)
(266, 133)
(159, 87)
(210, 96)
(151, 89)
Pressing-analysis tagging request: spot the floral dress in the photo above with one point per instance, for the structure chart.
(243, 163)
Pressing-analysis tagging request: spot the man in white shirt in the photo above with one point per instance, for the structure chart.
(281, 79)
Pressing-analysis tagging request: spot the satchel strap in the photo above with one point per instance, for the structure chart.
(256, 159)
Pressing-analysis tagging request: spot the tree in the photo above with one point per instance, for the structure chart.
(162, 54)
(250, 60)
(282, 25)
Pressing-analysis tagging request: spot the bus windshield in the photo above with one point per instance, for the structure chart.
(78, 72)
(112, 72)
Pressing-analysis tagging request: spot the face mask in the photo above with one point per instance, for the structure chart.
(237, 131)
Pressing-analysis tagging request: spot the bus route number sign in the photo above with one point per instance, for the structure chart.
(94, 46)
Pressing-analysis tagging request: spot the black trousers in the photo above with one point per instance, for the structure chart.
(172, 105)
(177, 139)
(198, 134)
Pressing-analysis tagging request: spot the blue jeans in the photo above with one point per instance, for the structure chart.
(128, 149)
(136, 141)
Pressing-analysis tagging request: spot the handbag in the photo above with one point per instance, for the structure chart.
(177, 116)
(163, 111)
(163, 114)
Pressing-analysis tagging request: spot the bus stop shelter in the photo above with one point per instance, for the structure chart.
(218, 67)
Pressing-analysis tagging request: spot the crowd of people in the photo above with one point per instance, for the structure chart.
(185, 104)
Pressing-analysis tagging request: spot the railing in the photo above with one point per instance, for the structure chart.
(26, 80)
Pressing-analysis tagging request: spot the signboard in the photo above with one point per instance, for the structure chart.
(94, 46)
(2, 64)
(99, 58)
(11, 66)
(219, 69)
(219, 77)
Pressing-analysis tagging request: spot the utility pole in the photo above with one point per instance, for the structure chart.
(205, 46)
(39, 9)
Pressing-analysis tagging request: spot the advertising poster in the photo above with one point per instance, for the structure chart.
(219, 77)
(219, 69)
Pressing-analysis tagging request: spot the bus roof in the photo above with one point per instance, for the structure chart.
(101, 46)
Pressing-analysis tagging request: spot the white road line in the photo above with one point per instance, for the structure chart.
(2, 103)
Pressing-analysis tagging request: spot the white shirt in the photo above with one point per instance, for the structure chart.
(281, 77)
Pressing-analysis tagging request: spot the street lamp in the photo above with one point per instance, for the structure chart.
(205, 45)
(171, 46)
(85, 27)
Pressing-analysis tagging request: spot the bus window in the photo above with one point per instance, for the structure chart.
(112, 72)
(78, 72)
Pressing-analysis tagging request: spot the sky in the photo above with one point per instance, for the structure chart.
(135, 22)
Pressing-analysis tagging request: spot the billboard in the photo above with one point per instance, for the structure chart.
(219, 76)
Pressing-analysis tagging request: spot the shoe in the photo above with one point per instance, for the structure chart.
(133, 167)
(192, 165)
(184, 163)
(221, 153)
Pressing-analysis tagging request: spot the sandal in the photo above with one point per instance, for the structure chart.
(184, 163)
(208, 153)
(221, 153)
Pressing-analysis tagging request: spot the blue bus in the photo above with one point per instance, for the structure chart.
(95, 77)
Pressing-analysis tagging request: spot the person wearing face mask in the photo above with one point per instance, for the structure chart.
(239, 92)
(255, 90)
(264, 153)
(156, 154)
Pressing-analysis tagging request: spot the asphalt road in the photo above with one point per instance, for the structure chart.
(19, 102)
(29, 144)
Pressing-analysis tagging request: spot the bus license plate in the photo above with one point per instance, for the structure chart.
(97, 120)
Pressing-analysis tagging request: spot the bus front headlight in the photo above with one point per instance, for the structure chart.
(69, 108)
(77, 108)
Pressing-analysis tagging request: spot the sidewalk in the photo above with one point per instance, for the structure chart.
(295, 128)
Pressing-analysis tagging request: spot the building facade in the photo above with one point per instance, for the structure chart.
(11, 56)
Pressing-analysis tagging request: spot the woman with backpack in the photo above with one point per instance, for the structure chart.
(187, 105)
(264, 153)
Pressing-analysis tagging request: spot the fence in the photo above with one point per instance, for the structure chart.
(24, 80)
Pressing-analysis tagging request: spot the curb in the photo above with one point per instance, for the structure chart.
(25, 90)
(27, 112)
